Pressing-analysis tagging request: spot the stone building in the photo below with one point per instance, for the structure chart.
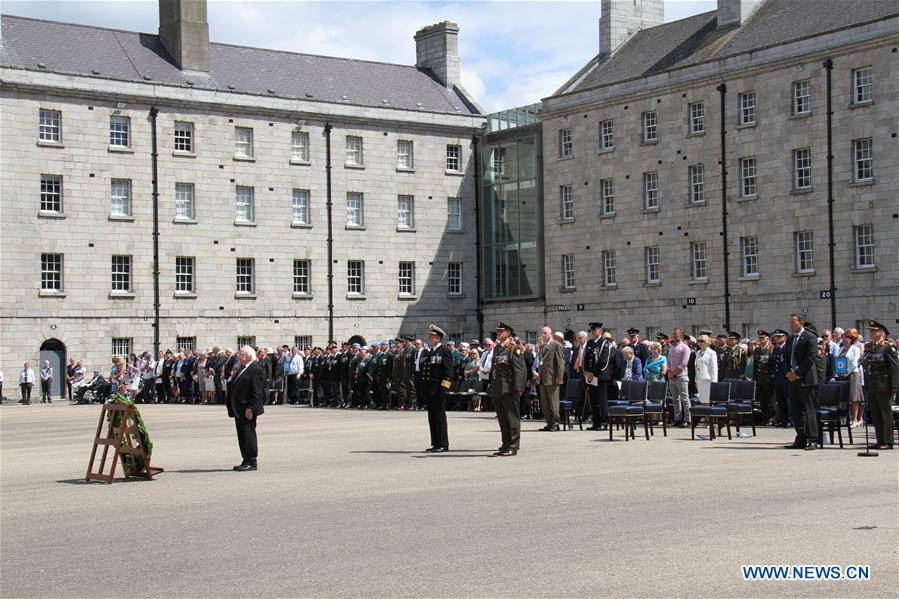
(672, 127)
(239, 152)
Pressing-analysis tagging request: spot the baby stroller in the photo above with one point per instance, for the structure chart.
(97, 390)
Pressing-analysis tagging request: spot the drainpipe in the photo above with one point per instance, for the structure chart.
(328, 204)
(477, 242)
(828, 66)
(154, 156)
(722, 91)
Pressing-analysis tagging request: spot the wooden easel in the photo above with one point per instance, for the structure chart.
(125, 439)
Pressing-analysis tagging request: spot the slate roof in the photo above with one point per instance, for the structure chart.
(697, 39)
(130, 56)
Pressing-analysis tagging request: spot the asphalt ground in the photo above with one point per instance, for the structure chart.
(345, 504)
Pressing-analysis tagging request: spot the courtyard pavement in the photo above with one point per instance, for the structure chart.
(345, 504)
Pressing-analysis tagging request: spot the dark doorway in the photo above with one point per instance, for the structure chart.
(357, 339)
(54, 351)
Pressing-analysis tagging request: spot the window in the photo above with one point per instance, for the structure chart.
(747, 108)
(354, 277)
(862, 150)
(183, 344)
(697, 184)
(566, 147)
(650, 191)
(301, 277)
(499, 163)
(184, 137)
(407, 278)
(607, 135)
(121, 274)
(50, 126)
(802, 97)
(697, 118)
(51, 193)
(863, 85)
(249, 340)
(244, 276)
(299, 146)
(121, 346)
(567, 202)
(302, 341)
(243, 204)
(749, 256)
(404, 157)
(51, 272)
(607, 196)
(650, 127)
(243, 142)
(609, 264)
(454, 214)
(184, 274)
(454, 278)
(864, 246)
(747, 177)
(454, 158)
(119, 131)
(184, 201)
(354, 201)
(653, 261)
(805, 251)
(802, 168)
(301, 207)
(568, 271)
(353, 150)
(698, 270)
(120, 197)
(405, 212)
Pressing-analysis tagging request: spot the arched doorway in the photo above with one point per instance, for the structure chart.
(54, 351)
(357, 339)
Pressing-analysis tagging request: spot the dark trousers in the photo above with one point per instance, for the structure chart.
(26, 392)
(345, 392)
(293, 388)
(69, 389)
(419, 394)
(765, 396)
(45, 389)
(879, 405)
(437, 420)
(782, 396)
(246, 438)
(162, 392)
(360, 391)
(802, 406)
(599, 402)
(146, 393)
(509, 421)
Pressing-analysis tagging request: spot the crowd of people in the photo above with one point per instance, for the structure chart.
(386, 375)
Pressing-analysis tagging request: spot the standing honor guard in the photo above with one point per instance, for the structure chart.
(436, 380)
(507, 381)
(881, 380)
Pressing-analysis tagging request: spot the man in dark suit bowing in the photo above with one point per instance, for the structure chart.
(802, 377)
(246, 396)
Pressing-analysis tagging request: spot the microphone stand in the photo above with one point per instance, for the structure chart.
(867, 453)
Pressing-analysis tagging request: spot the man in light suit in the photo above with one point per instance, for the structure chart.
(799, 359)
(246, 397)
(551, 372)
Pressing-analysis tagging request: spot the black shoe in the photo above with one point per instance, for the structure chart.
(245, 467)
(554, 429)
(603, 427)
(500, 451)
(507, 453)
(793, 446)
(440, 450)
(545, 428)
(238, 467)
(594, 428)
(811, 446)
(430, 450)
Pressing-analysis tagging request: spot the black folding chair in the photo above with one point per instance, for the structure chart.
(570, 404)
(628, 413)
(742, 402)
(656, 406)
(833, 411)
(715, 412)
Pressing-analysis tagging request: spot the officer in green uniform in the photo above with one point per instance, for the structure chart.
(382, 381)
(398, 373)
(408, 383)
(362, 380)
(734, 359)
(881, 368)
(508, 378)
(763, 375)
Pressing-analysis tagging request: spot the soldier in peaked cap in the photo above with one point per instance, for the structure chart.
(734, 358)
(763, 375)
(507, 382)
(436, 380)
(881, 368)
(640, 349)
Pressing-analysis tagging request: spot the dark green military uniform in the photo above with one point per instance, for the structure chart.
(881, 368)
(398, 373)
(508, 377)
(763, 375)
(362, 381)
(734, 361)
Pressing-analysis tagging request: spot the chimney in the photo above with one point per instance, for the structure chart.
(620, 19)
(735, 12)
(437, 49)
(184, 32)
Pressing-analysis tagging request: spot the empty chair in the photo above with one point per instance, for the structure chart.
(656, 405)
(832, 412)
(571, 403)
(627, 414)
(742, 402)
(715, 412)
